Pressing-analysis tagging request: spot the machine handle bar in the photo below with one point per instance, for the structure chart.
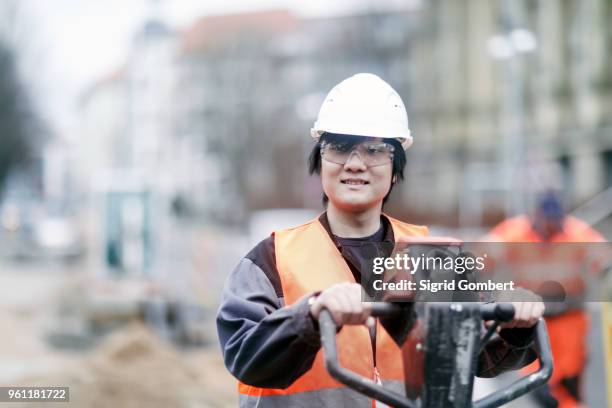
(490, 311)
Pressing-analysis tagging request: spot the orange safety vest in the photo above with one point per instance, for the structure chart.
(308, 260)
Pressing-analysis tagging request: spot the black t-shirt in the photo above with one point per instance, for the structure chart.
(358, 252)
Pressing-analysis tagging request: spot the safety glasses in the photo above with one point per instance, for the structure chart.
(371, 153)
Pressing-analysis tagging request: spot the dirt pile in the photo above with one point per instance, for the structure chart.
(135, 368)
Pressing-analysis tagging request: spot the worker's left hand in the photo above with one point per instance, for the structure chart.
(528, 308)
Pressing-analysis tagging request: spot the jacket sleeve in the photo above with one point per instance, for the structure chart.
(264, 343)
(511, 350)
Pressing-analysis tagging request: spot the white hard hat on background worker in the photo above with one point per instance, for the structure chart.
(364, 105)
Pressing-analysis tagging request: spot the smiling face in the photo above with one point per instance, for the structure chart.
(354, 186)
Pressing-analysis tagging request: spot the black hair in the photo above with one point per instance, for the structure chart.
(399, 157)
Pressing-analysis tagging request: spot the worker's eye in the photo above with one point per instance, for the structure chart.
(377, 149)
(372, 149)
(338, 147)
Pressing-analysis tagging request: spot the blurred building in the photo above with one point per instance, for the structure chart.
(232, 91)
(150, 76)
(219, 114)
(504, 89)
(127, 154)
(103, 141)
(254, 83)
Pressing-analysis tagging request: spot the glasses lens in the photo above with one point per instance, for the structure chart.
(336, 152)
(376, 154)
(372, 154)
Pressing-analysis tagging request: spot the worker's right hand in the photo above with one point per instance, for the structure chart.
(343, 301)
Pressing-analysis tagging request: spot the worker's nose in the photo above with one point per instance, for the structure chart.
(355, 162)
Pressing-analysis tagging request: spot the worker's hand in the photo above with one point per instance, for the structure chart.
(528, 308)
(343, 300)
(526, 314)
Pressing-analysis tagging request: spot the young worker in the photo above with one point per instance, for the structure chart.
(267, 321)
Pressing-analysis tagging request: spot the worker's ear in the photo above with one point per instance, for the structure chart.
(394, 179)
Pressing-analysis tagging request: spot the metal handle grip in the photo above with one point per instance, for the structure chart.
(528, 383)
(498, 312)
(366, 386)
(501, 312)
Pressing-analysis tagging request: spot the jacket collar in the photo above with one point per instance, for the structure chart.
(389, 237)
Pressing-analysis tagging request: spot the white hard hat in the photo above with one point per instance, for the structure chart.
(364, 105)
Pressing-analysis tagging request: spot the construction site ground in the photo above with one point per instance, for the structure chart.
(132, 366)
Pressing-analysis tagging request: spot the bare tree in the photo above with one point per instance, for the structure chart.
(18, 123)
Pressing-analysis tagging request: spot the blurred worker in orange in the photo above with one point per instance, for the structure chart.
(567, 322)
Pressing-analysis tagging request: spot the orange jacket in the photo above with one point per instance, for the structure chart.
(567, 331)
(534, 264)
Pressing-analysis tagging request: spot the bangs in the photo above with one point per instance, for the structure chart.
(345, 140)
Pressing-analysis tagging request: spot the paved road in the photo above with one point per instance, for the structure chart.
(28, 299)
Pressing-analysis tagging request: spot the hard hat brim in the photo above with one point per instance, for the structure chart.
(405, 141)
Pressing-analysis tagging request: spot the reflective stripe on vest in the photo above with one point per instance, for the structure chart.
(329, 397)
(307, 261)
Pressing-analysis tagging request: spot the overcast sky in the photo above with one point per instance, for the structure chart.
(76, 42)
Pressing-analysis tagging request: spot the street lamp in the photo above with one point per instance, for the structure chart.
(517, 41)
(507, 49)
